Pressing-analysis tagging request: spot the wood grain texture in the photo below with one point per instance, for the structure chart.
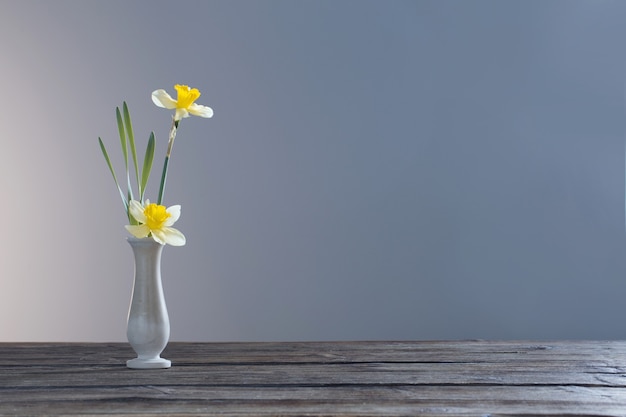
(464, 378)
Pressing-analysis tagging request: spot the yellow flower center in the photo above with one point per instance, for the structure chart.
(186, 96)
(156, 215)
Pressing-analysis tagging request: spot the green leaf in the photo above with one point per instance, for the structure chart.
(123, 143)
(147, 165)
(108, 161)
(120, 129)
(131, 142)
(163, 179)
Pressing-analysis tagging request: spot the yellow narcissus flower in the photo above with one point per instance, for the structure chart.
(156, 220)
(184, 104)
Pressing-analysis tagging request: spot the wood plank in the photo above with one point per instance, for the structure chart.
(319, 375)
(24, 353)
(444, 405)
(264, 401)
(475, 378)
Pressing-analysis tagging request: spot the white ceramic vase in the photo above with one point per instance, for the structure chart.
(148, 328)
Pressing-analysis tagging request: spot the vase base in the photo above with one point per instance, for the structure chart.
(154, 363)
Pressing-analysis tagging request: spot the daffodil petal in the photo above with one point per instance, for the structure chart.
(174, 212)
(158, 237)
(136, 210)
(139, 231)
(170, 236)
(200, 110)
(181, 114)
(162, 99)
(175, 237)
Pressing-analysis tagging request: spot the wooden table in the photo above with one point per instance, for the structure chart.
(464, 378)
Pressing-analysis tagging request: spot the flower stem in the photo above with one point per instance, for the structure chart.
(170, 144)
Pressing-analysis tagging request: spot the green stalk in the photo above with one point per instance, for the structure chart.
(170, 144)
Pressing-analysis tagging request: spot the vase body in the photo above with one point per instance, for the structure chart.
(148, 328)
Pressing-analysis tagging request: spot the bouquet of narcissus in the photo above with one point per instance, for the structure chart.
(153, 219)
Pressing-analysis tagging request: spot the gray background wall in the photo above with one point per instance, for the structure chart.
(374, 169)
